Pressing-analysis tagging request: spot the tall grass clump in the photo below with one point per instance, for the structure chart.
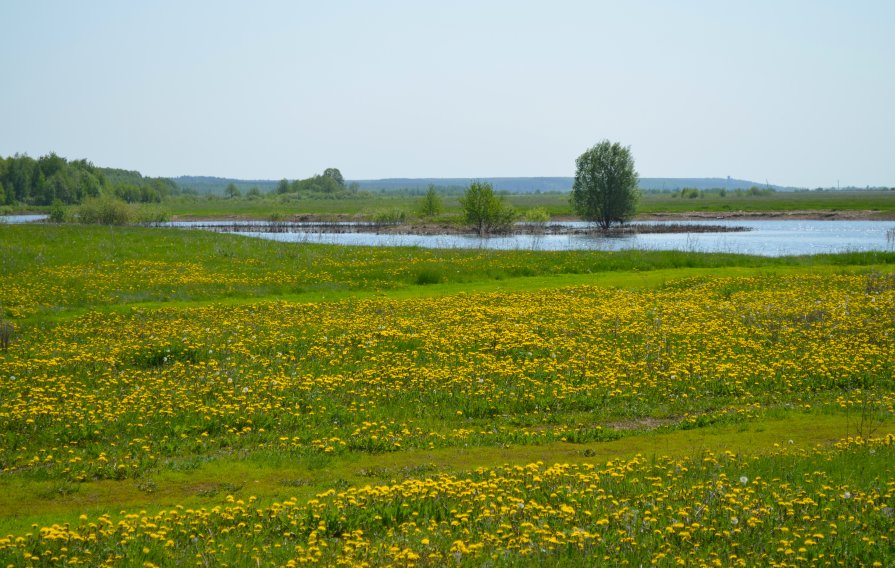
(6, 332)
(149, 214)
(393, 216)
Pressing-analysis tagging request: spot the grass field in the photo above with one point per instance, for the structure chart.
(555, 204)
(178, 397)
(882, 203)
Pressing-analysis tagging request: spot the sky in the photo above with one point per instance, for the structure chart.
(798, 93)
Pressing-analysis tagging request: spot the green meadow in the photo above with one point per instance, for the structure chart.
(881, 203)
(173, 397)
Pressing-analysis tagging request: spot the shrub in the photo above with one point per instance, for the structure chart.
(485, 211)
(536, 215)
(431, 204)
(105, 211)
(57, 212)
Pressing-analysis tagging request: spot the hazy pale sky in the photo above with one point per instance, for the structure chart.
(796, 92)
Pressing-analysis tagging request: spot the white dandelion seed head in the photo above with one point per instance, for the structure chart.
(744, 480)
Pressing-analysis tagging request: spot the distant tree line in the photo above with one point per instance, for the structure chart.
(52, 178)
(692, 192)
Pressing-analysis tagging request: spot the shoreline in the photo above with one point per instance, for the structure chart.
(781, 215)
(675, 222)
(435, 229)
(795, 215)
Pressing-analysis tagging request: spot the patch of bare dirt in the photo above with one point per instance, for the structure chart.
(641, 423)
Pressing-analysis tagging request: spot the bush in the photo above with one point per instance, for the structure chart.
(485, 211)
(536, 215)
(105, 211)
(431, 204)
(57, 212)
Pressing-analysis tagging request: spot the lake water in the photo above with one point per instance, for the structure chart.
(765, 238)
(19, 219)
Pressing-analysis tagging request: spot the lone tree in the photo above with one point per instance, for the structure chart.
(484, 210)
(231, 191)
(605, 188)
(431, 204)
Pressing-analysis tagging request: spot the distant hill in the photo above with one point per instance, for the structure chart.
(216, 185)
(557, 184)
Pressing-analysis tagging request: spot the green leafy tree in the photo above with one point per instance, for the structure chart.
(431, 204)
(605, 188)
(335, 174)
(484, 210)
(283, 186)
(231, 191)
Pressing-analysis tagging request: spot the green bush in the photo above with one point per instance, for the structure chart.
(57, 212)
(537, 215)
(485, 211)
(431, 204)
(105, 211)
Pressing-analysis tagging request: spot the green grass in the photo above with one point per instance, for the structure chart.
(155, 369)
(556, 204)
(95, 266)
(206, 482)
(880, 201)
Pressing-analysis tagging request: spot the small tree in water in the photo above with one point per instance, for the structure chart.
(605, 188)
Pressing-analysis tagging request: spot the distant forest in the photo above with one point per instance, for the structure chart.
(51, 178)
(559, 184)
(448, 186)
